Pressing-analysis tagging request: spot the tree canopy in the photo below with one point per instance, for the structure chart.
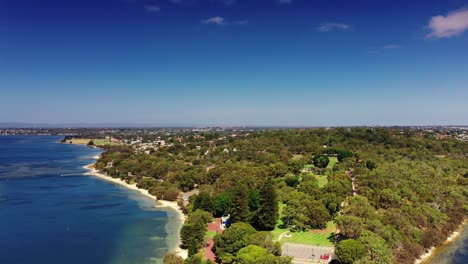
(409, 184)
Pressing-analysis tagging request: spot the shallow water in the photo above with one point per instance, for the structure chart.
(455, 252)
(51, 213)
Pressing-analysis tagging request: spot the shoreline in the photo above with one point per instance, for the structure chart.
(172, 206)
(427, 256)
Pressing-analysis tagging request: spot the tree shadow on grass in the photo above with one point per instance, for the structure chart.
(332, 237)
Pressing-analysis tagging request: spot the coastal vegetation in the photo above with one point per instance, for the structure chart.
(391, 192)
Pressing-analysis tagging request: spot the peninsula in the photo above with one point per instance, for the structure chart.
(303, 190)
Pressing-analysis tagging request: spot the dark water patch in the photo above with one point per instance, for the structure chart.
(15, 200)
(73, 185)
(114, 215)
(49, 187)
(19, 202)
(71, 174)
(49, 218)
(90, 207)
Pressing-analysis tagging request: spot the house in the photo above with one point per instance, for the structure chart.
(225, 221)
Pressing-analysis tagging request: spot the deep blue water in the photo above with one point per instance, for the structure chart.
(51, 213)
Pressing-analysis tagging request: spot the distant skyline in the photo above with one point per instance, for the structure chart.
(234, 62)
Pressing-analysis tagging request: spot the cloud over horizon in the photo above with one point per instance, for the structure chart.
(327, 27)
(454, 24)
(152, 8)
(221, 21)
(392, 46)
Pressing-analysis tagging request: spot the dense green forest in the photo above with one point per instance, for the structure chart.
(410, 189)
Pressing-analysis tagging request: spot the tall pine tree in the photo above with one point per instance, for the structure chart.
(203, 202)
(240, 204)
(267, 215)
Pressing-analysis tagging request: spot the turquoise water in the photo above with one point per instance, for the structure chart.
(51, 213)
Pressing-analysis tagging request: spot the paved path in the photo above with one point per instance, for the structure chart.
(209, 250)
(215, 227)
(302, 253)
(353, 185)
(186, 195)
(282, 235)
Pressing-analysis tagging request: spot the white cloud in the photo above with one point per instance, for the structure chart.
(454, 24)
(217, 20)
(152, 8)
(326, 27)
(220, 21)
(392, 46)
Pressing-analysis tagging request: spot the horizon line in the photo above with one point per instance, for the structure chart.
(30, 125)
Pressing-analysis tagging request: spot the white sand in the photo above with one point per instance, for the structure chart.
(159, 203)
(424, 257)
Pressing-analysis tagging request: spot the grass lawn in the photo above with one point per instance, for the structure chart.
(333, 161)
(79, 141)
(308, 238)
(97, 142)
(278, 231)
(100, 142)
(211, 234)
(317, 237)
(312, 237)
(322, 180)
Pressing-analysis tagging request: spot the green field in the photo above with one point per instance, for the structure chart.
(333, 161)
(323, 179)
(331, 164)
(311, 237)
(278, 231)
(297, 156)
(101, 142)
(85, 141)
(211, 234)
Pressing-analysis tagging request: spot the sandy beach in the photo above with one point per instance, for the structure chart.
(173, 206)
(427, 256)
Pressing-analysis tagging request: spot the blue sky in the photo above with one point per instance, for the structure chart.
(234, 62)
